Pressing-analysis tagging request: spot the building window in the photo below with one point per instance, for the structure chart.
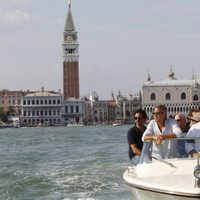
(168, 96)
(66, 109)
(183, 95)
(71, 109)
(54, 101)
(77, 109)
(153, 96)
(195, 98)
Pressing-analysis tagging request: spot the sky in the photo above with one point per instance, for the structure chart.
(120, 42)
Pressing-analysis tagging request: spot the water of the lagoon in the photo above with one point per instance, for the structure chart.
(64, 163)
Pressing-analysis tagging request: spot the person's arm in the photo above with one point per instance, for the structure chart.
(169, 136)
(135, 149)
(158, 139)
(190, 144)
(148, 133)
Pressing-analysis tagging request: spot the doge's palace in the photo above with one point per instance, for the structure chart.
(176, 95)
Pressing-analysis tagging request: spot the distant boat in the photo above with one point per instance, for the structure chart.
(74, 124)
(16, 124)
(117, 124)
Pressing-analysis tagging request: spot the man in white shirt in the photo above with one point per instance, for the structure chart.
(159, 129)
(192, 146)
(184, 126)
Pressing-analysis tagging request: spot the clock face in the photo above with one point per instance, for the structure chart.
(70, 50)
(69, 38)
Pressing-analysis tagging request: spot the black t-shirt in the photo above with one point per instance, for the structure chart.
(134, 136)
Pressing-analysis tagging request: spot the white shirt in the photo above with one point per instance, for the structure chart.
(193, 132)
(167, 148)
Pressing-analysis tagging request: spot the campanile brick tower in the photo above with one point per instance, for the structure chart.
(70, 58)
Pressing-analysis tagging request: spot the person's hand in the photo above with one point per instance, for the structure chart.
(158, 139)
(195, 154)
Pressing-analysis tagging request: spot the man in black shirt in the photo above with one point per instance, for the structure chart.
(134, 136)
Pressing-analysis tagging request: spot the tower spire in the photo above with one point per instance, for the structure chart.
(69, 2)
(69, 24)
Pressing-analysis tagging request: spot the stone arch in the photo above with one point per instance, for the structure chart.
(183, 95)
(153, 96)
(168, 96)
(195, 97)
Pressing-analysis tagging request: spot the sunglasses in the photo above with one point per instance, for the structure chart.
(178, 120)
(139, 118)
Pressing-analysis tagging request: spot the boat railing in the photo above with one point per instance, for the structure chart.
(168, 149)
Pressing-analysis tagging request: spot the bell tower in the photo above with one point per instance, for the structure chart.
(70, 58)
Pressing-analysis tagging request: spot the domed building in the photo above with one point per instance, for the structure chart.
(176, 95)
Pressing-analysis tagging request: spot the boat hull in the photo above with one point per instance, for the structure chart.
(141, 194)
(165, 178)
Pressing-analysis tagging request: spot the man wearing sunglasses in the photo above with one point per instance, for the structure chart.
(184, 126)
(134, 136)
(159, 129)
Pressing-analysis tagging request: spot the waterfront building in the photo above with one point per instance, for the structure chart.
(126, 106)
(99, 111)
(73, 112)
(114, 110)
(70, 58)
(177, 95)
(10, 101)
(41, 108)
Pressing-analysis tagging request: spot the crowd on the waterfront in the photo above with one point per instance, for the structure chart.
(160, 129)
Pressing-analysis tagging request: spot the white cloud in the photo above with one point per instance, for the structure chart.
(16, 17)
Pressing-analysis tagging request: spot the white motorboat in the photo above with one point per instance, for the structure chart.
(117, 124)
(75, 124)
(164, 177)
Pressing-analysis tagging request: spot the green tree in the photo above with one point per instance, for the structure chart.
(11, 111)
(3, 115)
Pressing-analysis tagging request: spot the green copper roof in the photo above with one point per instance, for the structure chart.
(69, 24)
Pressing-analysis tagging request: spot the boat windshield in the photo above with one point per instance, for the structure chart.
(172, 148)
